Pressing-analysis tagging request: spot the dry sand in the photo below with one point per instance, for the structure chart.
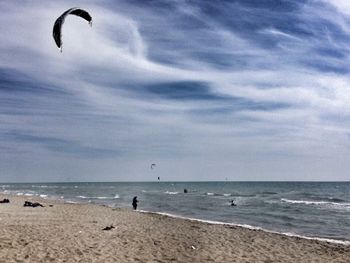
(73, 233)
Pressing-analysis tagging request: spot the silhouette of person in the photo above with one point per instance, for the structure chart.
(134, 202)
(232, 203)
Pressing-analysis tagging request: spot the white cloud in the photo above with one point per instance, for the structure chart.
(99, 64)
(343, 6)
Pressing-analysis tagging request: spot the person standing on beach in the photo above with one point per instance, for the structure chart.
(134, 202)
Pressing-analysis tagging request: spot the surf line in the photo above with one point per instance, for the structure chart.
(334, 241)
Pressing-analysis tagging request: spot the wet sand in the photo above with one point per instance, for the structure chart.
(73, 233)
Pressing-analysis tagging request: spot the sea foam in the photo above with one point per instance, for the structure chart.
(305, 202)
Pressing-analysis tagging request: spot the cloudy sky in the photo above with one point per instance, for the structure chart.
(208, 90)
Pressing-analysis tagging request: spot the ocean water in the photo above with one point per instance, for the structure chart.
(310, 209)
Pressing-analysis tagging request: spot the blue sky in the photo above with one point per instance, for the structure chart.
(208, 90)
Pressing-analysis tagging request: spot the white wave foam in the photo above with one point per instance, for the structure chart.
(210, 193)
(171, 193)
(20, 193)
(44, 186)
(71, 202)
(97, 197)
(227, 194)
(313, 202)
(43, 196)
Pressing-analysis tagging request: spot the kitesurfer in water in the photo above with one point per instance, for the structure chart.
(232, 203)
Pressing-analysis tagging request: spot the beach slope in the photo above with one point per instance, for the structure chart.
(74, 233)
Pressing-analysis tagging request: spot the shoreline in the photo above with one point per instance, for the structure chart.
(250, 227)
(63, 232)
(213, 222)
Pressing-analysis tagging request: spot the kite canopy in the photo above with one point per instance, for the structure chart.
(152, 165)
(57, 28)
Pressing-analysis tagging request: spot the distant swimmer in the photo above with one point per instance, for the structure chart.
(232, 203)
(185, 191)
(134, 202)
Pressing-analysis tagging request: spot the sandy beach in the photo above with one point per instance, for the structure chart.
(73, 233)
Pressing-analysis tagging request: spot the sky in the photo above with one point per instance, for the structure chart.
(241, 90)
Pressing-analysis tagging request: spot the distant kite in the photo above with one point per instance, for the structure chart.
(57, 28)
(153, 165)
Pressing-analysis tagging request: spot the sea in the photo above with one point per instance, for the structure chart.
(317, 210)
